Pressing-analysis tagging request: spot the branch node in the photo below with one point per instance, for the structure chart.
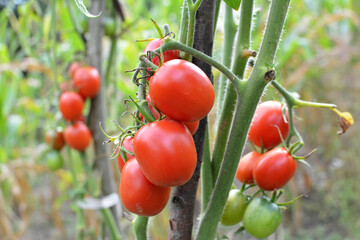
(270, 75)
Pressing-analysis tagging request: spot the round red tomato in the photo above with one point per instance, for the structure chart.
(192, 126)
(55, 139)
(128, 145)
(274, 169)
(138, 195)
(182, 91)
(87, 81)
(267, 122)
(244, 171)
(168, 55)
(166, 152)
(78, 136)
(73, 67)
(71, 105)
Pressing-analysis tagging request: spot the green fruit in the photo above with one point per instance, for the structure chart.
(262, 217)
(235, 208)
(54, 160)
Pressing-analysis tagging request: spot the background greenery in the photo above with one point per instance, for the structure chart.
(318, 58)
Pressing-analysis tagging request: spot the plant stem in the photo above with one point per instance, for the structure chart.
(109, 219)
(192, 8)
(228, 105)
(206, 173)
(242, 119)
(184, 22)
(140, 227)
(111, 57)
(76, 24)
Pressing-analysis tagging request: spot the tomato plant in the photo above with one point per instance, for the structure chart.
(87, 81)
(138, 194)
(274, 169)
(182, 91)
(168, 55)
(71, 105)
(262, 217)
(244, 171)
(266, 124)
(54, 160)
(128, 145)
(55, 139)
(78, 136)
(166, 152)
(234, 208)
(74, 66)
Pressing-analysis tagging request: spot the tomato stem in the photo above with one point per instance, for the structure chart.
(140, 224)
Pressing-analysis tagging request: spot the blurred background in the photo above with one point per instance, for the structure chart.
(319, 58)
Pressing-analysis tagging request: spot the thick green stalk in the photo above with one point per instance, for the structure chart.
(192, 8)
(242, 119)
(229, 35)
(140, 227)
(206, 173)
(184, 23)
(227, 106)
(110, 62)
(109, 219)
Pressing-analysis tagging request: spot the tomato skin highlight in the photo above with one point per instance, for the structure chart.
(182, 91)
(274, 169)
(234, 208)
(71, 105)
(87, 81)
(166, 152)
(262, 217)
(78, 136)
(128, 144)
(266, 123)
(244, 172)
(138, 194)
(168, 55)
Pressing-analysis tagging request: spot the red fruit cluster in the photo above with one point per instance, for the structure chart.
(165, 153)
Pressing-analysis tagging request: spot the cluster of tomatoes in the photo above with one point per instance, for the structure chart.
(162, 154)
(85, 83)
(270, 171)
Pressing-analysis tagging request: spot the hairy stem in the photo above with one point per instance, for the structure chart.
(140, 224)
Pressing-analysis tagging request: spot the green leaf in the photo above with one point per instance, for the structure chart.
(234, 4)
(83, 9)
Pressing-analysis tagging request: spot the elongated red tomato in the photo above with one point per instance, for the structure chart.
(138, 195)
(182, 91)
(78, 136)
(168, 55)
(128, 145)
(266, 124)
(71, 105)
(166, 152)
(244, 171)
(87, 81)
(274, 169)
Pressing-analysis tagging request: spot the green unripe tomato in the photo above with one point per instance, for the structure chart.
(235, 208)
(262, 217)
(54, 160)
(109, 26)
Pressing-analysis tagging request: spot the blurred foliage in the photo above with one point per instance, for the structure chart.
(318, 57)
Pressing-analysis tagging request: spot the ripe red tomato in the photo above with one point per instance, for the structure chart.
(138, 194)
(274, 169)
(55, 139)
(71, 105)
(87, 81)
(182, 91)
(192, 126)
(128, 145)
(267, 120)
(78, 136)
(73, 67)
(168, 55)
(166, 152)
(244, 171)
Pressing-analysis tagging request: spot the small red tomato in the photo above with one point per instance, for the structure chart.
(168, 55)
(244, 171)
(182, 91)
(71, 105)
(267, 122)
(87, 81)
(166, 152)
(128, 145)
(138, 194)
(55, 139)
(73, 67)
(274, 169)
(78, 136)
(192, 126)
